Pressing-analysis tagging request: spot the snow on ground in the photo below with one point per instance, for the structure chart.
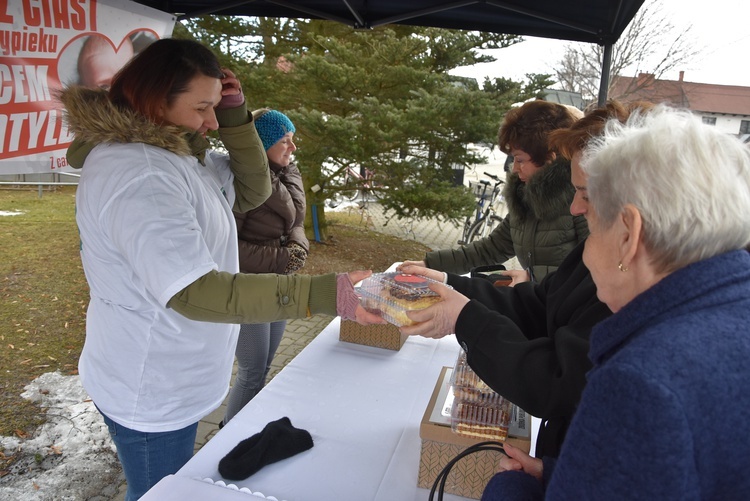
(71, 457)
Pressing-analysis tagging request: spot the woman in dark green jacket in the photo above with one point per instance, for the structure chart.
(538, 229)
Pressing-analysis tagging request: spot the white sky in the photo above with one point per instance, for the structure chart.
(719, 27)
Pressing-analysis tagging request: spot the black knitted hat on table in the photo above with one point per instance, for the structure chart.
(278, 440)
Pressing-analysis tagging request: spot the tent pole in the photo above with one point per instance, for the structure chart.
(606, 66)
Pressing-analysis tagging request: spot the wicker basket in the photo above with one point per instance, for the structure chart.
(481, 190)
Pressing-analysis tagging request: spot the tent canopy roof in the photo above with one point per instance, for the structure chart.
(595, 21)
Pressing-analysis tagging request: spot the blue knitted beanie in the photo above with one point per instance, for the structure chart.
(272, 126)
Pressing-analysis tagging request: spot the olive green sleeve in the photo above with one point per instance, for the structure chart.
(77, 152)
(497, 247)
(242, 298)
(248, 160)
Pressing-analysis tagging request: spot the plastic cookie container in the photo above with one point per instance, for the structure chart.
(477, 410)
(392, 294)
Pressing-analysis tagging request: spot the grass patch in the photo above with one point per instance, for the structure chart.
(353, 245)
(44, 296)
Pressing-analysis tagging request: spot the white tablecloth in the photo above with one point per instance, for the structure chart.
(362, 406)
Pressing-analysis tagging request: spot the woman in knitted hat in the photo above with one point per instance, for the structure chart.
(271, 240)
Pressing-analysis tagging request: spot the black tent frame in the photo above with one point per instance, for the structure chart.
(594, 21)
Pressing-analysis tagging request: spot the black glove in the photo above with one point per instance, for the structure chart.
(297, 257)
(278, 440)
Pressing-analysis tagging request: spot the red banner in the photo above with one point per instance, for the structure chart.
(48, 44)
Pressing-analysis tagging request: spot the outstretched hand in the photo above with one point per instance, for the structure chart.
(349, 307)
(413, 263)
(357, 276)
(438, 320)
(364, 317)
(418, 268)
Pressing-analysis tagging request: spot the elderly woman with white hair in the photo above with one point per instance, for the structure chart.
(666, 411)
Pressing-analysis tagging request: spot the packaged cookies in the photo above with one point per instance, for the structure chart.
(391, 295)
(477, 410)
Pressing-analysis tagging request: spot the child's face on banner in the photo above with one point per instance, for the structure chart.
(99, 61)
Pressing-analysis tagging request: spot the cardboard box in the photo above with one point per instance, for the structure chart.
(381, 336)
(440, 444)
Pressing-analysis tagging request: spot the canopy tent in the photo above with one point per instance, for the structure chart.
(595, 21)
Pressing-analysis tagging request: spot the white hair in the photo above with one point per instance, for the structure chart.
(689, 181)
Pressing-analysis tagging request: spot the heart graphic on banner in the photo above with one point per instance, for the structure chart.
(54, 48)
(95, 61)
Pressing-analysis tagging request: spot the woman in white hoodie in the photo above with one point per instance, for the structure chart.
(159, 250)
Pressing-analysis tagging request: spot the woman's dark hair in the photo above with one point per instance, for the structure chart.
(527, 127)
(159, 73)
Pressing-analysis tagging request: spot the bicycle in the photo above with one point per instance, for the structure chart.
(486, 215)
(355, 186)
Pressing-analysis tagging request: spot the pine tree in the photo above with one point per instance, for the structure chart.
(379, 100)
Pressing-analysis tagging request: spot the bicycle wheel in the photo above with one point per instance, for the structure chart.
(477, 230)
(465, 232)
(377, 184)
(349, 191)
(375, 193)
(492, 224)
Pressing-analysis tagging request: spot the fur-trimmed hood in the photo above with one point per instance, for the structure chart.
(547, 193)
(93, 119)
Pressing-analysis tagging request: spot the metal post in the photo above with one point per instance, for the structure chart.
(316, 224)
(606, 67)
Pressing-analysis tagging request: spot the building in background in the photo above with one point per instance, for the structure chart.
(724, 106)
(566, 97)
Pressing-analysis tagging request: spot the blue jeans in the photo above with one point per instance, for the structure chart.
(146, 457)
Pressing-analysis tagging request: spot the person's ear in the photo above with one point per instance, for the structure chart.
(161, 110)
(630, 238)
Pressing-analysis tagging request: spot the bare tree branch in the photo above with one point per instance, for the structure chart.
(650, 44)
